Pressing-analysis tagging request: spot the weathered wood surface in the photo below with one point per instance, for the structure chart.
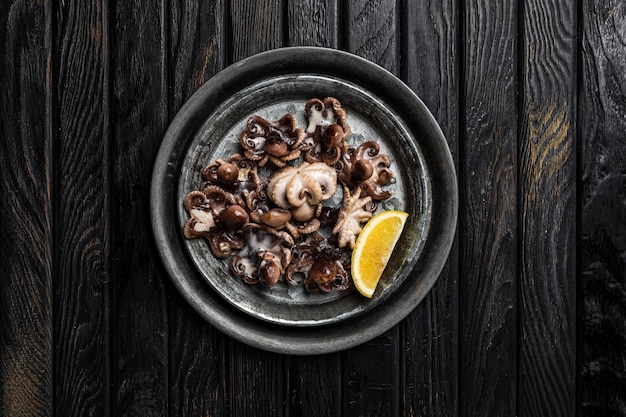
(488, 230)
(82, 209)
(26, 211)
(547, 190)
(138, 95)
(527, 317)
(602, 210)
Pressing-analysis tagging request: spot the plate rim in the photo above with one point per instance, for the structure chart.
(253, 331)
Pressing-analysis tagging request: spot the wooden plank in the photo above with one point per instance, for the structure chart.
(371, 375)
(314, 385)
(197, 51)
(196, 363)
(313, 23)
(26, 251)
(255, 384)
(430, 334)
(372, 31)
(197, 46)
(314, 382)
(82, 247)
(547, 181)
(488, 219)
(255, 26)
(601, 121)
(139, 113)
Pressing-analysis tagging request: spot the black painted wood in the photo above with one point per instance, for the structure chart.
(26, 214)
(547, 184)
(138, 118)
(602, 210)
(371, 377)
(314, 385)
(488, 223)
(255, 383)
(255, 26)
(81, 212)
(371, 30)
(528, 316)
(313, 23)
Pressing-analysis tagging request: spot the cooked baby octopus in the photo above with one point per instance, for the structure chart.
(216, 215)
(302, 189)
(365, 167)
(283, 223)
(278, 142)
(321, 263)
(265, 256)
(236, 175)
(327, 128)
(353, 213)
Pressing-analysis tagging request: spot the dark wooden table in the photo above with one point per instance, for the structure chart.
(528, 317)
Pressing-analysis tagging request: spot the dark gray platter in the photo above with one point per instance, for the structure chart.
(380, 107)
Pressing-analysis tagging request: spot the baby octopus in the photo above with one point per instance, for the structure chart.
(277, 141)
(302, 189)
(216, 215)
(323, 265)
(326, 130)
(235, 175)
(351, 216)
(265, 256)
(278, 220)
(365, 167)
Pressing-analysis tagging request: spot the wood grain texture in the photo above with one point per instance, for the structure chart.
(314, 385)
(90, 323)
(313, 23)
(139, 114)
(255, 382)
(81, 210)
(196, 363)
(429, 359)
(602, 355)
(371, 377)
(371, 30)
(488, 220)
(197, 51)
(255, 26)
(197, 46)
(26, 230)
(547, 181)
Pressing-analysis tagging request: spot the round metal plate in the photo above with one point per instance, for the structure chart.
(380, 108)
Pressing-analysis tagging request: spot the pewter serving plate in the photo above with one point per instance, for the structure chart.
(379, 107)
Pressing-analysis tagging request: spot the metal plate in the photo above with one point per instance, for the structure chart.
(379, 107)
(369, 119)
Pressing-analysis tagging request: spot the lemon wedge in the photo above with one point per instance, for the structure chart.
(374, 247)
